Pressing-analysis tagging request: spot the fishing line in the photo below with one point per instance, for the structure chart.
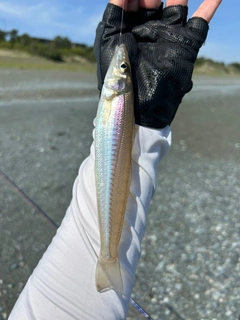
(25, 197)
(121, 26)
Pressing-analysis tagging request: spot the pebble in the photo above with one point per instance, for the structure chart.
(191, 246)
(195, 247)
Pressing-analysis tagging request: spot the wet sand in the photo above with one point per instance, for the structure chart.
(190, 264)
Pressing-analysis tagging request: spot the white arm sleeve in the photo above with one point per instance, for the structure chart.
(62, 286)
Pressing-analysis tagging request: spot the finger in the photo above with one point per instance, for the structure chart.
(176, 3)
(119, 3)
(207, 9)
(128, 5)
(132, 5)
(149, 4)
(176, 14)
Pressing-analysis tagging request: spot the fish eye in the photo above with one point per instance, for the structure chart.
(123, 67)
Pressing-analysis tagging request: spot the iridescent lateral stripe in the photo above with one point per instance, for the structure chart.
(109, 140)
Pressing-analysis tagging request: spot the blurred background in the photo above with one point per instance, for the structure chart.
(190, 263)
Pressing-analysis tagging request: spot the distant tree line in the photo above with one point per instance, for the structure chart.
(217, 65)
(61, 47)
(55, 49)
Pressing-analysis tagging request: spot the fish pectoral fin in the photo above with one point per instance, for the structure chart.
(108, 276)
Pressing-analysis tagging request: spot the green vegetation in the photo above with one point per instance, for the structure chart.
(208, 66)
(56, 50)
(19, 61)
(23, 51)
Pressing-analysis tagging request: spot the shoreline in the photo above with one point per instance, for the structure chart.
(189, 260)
(24, 61)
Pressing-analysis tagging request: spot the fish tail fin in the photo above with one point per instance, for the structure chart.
(108, 276)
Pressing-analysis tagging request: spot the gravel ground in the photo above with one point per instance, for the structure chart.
(190, 264)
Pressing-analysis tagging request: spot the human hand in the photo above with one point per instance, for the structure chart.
(162, 47)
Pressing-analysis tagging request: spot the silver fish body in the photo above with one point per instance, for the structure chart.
(114, 127)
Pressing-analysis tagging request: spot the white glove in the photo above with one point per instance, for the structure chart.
(62, 286)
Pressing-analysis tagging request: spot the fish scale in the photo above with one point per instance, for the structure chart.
(113, 151)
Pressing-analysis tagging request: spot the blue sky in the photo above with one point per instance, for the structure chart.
(77, 20)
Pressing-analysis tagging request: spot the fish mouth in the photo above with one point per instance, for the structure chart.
(122, 46)
(119, 70)
(122, 53)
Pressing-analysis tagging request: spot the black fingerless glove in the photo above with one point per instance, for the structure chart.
(162, 48)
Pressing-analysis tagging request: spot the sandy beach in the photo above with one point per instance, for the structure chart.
(190, 263)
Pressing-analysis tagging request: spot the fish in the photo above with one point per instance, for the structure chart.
(114, 134)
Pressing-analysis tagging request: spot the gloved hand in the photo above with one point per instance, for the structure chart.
(62, 285)
(162, 47)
